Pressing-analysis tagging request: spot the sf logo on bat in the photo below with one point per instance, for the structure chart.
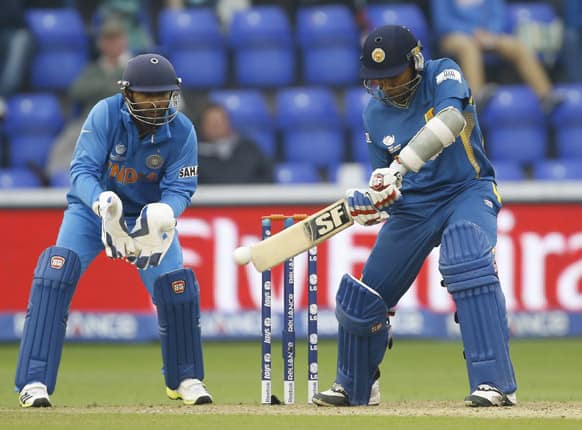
(327, 222)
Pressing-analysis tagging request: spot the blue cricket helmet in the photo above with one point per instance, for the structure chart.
(150, 73)
(388, 51)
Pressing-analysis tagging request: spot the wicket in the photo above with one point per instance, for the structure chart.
(288, 335)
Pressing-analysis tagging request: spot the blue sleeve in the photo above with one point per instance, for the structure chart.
(497, 22)
(378, 157)
(89, 159)
(181, 176)
(449, 84)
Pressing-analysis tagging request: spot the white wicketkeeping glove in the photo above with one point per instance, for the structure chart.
(114, 233)
(385, 184)
(153, 234)
(362, 209)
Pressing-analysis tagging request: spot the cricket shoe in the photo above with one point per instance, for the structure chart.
(336, 396)
(191, 391)
(486, 395)
(34, 395)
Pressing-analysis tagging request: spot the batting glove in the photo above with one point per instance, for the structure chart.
(362, 209)
(385, 187)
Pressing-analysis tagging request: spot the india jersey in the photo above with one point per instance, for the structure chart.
(388, 130)
(110, 155)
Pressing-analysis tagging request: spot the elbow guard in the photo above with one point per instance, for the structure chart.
(440, 132)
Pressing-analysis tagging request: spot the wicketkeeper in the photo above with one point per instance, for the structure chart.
(133, 172)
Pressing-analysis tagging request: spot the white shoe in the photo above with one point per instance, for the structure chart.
(191, 391)
(34, 395)
(375, 394)
(336, 396)
(487, 395)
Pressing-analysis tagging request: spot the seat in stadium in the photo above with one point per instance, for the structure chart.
(329, 41)
(261, 43)
(407, 14)
(567, 122)
(514, 125)
(60, 179)
(249, 114)
(311, 127)
(506, 171)
(61, 47)
(18, 177)
(34, 113)
(296, 173)
(32, 121)
(195, 44)
(557, 170)
(355, 100)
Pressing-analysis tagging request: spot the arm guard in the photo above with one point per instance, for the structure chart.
(440, 132)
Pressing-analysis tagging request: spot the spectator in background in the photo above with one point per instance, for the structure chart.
(225, 9)
(468, 29)
(225, 157)
(97, 81)
(16, 45)
(134, 15)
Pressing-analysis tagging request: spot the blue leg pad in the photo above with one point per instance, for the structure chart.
(468, 268)
(176, 297)
(362, 337)
(55, 279)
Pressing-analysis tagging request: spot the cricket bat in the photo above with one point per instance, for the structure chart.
(298, 238)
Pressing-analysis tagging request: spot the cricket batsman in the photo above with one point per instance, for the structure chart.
(434, 183)
(133, 172)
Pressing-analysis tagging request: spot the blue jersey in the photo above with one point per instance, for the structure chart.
(389, 129)
(110, 155)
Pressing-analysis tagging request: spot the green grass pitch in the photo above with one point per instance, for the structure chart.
(119, 386)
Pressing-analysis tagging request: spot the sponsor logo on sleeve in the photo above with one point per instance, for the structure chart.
(188, 172)
(448, 74)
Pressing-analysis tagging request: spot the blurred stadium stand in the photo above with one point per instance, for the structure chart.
(311, 125)
(250, 115)
(194, 43)
(61, 47)
(289, 173)
(290, 83)
(262, 43)
(32, 121)
(515, 125)
(330, 47)
(18, 177)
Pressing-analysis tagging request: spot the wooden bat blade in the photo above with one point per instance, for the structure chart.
(301, 236)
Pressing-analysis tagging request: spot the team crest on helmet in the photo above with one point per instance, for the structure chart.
(378, 55)
(154, 161)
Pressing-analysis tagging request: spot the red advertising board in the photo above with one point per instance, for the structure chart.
(539, 255)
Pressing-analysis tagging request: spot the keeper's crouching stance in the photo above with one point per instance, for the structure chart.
(432, 185)
(133, 217)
